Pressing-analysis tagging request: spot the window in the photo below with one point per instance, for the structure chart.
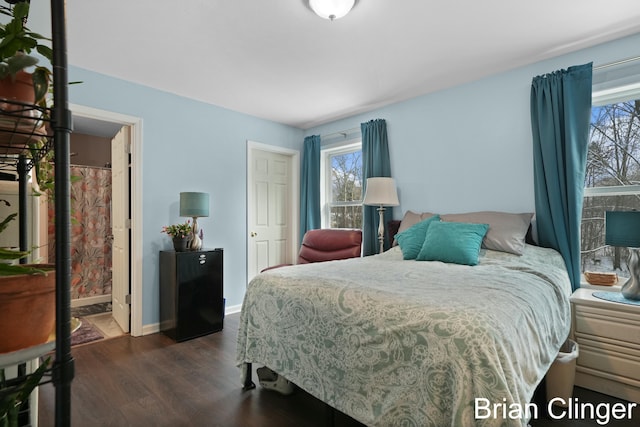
(612, 180)
(341, 177)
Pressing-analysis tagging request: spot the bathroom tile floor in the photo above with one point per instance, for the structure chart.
(106, 324)
(101, 317)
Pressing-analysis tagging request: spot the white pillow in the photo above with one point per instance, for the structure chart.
(507, 231)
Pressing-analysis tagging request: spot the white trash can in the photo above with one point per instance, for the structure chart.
(562, 373)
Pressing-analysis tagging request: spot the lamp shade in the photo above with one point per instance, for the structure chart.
(622, 228)
(194, 205)
(331, 9)
(381, 191)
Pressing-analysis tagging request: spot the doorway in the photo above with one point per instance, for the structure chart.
(118, 138)
(99, 208)
(273, 176)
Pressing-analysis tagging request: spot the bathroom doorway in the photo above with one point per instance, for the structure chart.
(94, 298)
(105, 284)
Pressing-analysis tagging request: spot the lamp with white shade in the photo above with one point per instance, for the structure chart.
(194, 205)
(381, 192)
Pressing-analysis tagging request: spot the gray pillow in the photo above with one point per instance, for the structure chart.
(410, 219)
(507, 231)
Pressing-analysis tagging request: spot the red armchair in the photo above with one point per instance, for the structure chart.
(328, 244)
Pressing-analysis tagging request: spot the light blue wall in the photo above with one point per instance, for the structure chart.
(187, 146)
(461, 149)
(470, 147)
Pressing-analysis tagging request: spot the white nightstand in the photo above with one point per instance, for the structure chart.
(608, 336)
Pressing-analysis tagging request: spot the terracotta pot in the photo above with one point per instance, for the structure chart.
(18, 89)
(19, 124)
(27, 309)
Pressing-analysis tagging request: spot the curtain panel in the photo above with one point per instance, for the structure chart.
(375, 163)
(310, 186)
(560, 118)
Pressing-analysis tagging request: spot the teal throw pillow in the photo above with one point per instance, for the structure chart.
(412, 239)
(454, 242)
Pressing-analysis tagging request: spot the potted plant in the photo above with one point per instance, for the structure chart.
(27, 299)
(21, 91)
(14, 393)
(180, 234)
(27, 292)
(27, 318)
(16, 44)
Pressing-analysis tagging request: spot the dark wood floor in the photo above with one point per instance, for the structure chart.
(153, 381)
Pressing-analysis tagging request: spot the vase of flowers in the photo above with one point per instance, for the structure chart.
(180, 234)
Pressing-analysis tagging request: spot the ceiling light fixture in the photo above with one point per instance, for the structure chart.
(331, 9)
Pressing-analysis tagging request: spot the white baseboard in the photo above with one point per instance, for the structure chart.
(81, 302)
(232, 309)
(154, 328)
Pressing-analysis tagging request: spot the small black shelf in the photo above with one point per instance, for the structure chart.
(20, 125)
(25, 133)
(26, 137)
(15, 357)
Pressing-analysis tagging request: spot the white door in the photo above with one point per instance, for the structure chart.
(272, 208)
(120, 227)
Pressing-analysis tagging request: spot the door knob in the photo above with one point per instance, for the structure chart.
(254, 234)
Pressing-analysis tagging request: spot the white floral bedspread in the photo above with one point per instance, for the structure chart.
(411, 343)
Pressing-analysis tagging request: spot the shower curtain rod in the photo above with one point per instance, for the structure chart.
(613, 64)
(344, 133)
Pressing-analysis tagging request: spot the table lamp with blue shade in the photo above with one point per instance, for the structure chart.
(194, 205)
(622, 228)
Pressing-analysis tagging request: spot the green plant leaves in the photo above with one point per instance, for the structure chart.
(10, 254)
(45, 51)
(21, 10)
(13, 396)
(6, 221)
(12, 270)
(41, 78)
(16, 42)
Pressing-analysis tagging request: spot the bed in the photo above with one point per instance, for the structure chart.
(394, 341)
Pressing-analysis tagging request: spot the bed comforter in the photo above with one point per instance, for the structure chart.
(412, 343)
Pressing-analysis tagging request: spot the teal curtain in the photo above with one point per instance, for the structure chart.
(375, 163)
(560, 117)
(310, 186)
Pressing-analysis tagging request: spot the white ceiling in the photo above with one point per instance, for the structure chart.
(277, 60)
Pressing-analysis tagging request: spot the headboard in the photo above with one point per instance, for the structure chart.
(394, 225)
(392, 228)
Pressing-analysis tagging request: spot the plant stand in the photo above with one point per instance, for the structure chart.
(62, 371)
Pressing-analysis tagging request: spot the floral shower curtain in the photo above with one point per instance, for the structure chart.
(90, 232)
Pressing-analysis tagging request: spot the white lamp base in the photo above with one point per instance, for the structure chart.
(381, 210)
(631, 289)
(195, 242)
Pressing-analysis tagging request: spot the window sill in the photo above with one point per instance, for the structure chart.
(614, 288)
